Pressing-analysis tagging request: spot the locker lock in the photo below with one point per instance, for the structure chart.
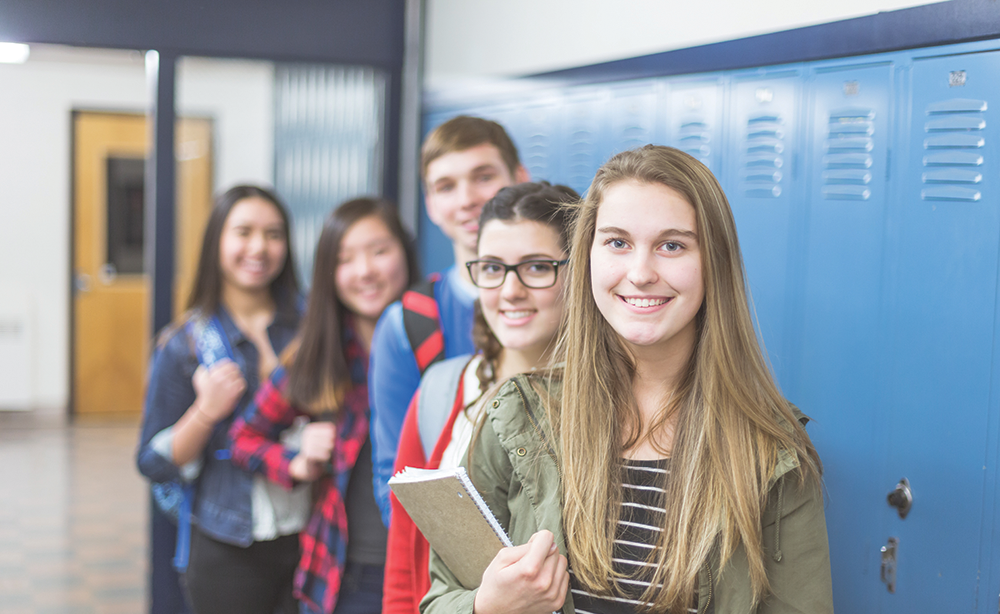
(901, 498)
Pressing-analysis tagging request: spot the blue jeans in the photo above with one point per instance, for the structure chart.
(360, 589)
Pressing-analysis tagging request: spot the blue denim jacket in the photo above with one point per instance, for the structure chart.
(222, 508)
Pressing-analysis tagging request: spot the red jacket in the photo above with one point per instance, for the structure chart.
(407, 553)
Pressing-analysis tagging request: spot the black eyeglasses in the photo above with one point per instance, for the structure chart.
(536, 274)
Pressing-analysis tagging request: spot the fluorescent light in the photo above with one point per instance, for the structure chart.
(13, 53)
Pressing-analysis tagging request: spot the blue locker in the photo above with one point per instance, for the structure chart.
(694, 121)
(759, 181)
(633, 117)
(945, 236)
(534, 127)
(505, 114)
(864, 195)
(834, 375)
(514, 122)
(581, 122)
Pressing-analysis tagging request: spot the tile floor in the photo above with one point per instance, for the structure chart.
(73, 514)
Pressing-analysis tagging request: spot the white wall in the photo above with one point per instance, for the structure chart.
(36, 100)
(239, 96)
(506, 38)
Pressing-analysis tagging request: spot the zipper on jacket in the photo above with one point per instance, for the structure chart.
(711, 585)
(777, 522)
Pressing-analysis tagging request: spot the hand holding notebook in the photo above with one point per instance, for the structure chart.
(527, 579)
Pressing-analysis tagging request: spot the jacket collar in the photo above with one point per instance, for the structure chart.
(284, 318)
(787, 460)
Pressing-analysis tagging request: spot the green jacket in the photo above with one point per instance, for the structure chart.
(516, 472)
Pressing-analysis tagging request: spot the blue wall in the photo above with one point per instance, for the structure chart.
(863, 190)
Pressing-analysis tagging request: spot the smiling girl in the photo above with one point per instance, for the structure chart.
(660, 469)
(246, 289)
(520, 271)
(363, 263)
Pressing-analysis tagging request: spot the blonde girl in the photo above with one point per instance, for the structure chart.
(659, 469)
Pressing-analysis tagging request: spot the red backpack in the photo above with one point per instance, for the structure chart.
(422, 323)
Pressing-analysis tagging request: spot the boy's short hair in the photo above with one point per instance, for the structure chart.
(465, 132)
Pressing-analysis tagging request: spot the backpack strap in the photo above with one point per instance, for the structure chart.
(422, 323)
(211, 345)
(438, 390)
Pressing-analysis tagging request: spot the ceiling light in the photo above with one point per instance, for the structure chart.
(13, 53)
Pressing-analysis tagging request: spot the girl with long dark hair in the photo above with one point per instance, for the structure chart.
(363, 263)
(245, 294)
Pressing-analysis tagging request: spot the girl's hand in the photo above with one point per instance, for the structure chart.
(315, 452)
(531, 578)
(219, 389)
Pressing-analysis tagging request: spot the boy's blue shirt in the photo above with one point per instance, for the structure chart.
(393, 375)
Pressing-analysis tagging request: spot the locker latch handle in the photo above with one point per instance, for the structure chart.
(888, 571)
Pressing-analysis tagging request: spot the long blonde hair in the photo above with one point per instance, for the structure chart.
(732, 420)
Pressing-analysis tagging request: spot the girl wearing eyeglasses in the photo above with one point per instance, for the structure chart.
(522, 247)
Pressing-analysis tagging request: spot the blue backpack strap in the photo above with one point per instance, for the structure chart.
(211, 345)
(438, 389)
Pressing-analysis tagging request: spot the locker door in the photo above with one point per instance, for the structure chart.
(506, 115)
(835, 372)
(582, 140)
(943, 306)
(536, 134)
(759, 181)
(693, 115)
(509, 116)
(633, 117)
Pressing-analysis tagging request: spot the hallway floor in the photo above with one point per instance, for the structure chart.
(73, 514)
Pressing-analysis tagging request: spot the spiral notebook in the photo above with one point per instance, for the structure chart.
(452, 515)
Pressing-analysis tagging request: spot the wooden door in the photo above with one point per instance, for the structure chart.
(111, 336)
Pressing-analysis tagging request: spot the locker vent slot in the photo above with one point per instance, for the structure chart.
(956, 105)
(955, 123)
(953, 158)
(695, 138)
(848, 161)
(763, 157)
(952, 175)
(955, 131)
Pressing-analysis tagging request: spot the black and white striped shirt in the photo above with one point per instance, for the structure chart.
(639, 527)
